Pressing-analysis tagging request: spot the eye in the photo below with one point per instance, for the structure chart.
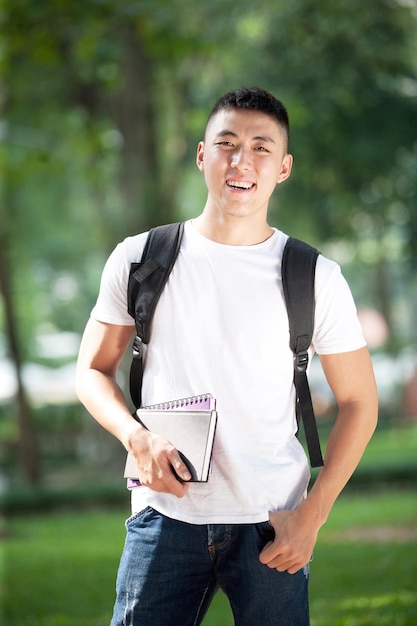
(261, 149)
(226, 144)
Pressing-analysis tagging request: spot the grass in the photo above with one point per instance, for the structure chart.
(59, 569)
(365, 563)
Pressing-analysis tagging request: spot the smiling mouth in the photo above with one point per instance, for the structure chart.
(237, 184)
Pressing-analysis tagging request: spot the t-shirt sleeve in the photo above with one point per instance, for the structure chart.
(111, 305)
(336, 327)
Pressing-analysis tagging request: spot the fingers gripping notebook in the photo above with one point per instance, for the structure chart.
(189, 424)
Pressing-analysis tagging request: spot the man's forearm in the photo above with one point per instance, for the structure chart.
(104, 400)
(347, 442)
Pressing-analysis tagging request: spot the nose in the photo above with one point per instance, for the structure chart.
(241, 159)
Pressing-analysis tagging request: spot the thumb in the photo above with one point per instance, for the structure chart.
(179, 467)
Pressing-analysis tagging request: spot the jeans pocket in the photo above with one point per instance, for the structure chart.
(266, 532)
(130, 520)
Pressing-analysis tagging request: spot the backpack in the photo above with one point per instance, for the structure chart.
(148, 278)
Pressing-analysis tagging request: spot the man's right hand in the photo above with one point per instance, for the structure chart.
(157, 460)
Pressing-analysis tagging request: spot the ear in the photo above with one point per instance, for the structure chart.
(286, 167)
(200, 156)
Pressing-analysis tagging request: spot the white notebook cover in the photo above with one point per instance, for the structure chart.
(190, 431)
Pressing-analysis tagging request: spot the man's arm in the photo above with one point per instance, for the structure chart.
(102, 348)
(350, 376)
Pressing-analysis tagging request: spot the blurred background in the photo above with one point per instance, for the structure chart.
(102, 104)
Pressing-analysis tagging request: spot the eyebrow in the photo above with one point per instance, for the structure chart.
(230, 133)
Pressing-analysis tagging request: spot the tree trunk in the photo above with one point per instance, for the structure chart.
(134, 112)
(28, 441)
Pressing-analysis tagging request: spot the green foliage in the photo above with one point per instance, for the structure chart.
(103, 103)
(353, 104)
(346, 73)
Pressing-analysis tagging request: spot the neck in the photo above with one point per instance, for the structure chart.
(232, 231)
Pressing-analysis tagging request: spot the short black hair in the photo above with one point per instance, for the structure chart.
(255, 99)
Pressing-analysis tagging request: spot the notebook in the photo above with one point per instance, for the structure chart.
(189, 424)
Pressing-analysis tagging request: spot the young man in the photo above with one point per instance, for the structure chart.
(221, 326)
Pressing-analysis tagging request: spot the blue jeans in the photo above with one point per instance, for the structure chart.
(170, 571)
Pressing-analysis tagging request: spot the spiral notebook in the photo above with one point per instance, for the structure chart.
(189, 424)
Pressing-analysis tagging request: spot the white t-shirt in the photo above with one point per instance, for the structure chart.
(221, 327)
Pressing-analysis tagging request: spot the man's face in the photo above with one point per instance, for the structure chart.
(243, 158)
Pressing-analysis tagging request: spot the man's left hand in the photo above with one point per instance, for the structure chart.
(295, 538)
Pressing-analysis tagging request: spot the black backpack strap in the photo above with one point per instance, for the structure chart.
(298, 274)
(146, 282)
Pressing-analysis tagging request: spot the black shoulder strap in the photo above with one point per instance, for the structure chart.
(146, 282)
(298, 274)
